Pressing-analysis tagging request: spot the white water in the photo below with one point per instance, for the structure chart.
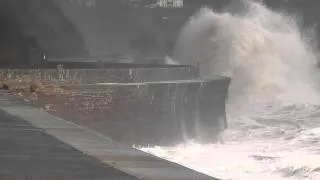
(273, 107)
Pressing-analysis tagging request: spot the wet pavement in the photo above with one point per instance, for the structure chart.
(27, 152)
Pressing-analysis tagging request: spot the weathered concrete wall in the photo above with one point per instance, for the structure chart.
(160, 106)
(154, 113)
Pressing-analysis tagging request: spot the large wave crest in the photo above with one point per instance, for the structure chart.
(265, 53)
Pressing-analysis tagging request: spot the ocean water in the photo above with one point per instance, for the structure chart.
(274, 98)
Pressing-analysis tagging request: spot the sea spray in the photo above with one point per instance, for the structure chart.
(273, 111)
(264, 52)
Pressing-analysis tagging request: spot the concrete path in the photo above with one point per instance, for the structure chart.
(37, 146)
(28, 153)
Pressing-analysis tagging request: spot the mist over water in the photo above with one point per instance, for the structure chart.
(273, 103)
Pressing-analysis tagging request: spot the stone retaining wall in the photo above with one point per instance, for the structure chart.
(91, 76)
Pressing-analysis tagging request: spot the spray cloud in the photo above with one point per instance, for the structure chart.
(264, 52)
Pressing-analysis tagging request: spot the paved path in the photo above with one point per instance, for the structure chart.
(28, 153)
(37, 146)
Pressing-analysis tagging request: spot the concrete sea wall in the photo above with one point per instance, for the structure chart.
(142, 106)
(152, 113)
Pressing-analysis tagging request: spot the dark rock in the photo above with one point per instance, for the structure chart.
(34, 88)
(5, 87)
